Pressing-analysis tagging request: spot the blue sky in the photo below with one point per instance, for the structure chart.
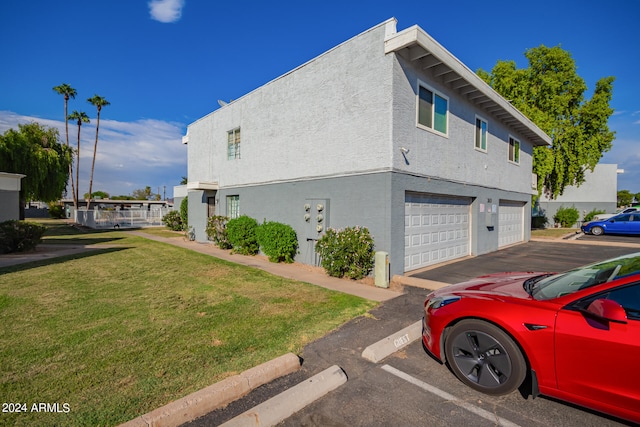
(163, 64)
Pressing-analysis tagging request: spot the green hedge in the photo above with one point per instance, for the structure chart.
(347, 252)
(19, 236)
(278, 241)
(566, 217)
(217, 231)
(242, 235)
(173, 221)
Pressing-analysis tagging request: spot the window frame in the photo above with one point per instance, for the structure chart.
(433, 109)
(234, 138)
(513, 153)
(476, 132)
(233, 206)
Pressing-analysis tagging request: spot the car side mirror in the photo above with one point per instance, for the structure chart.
(612, 220)
(608, 310)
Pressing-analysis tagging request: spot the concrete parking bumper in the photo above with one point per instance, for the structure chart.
(217, 395)
(290, 401)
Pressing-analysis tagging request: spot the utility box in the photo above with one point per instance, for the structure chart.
(381, 269)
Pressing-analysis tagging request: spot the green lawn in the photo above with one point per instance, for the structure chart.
(124, 330)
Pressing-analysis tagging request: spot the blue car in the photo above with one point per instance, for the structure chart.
(628, 223)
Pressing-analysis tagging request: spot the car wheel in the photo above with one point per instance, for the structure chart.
(597, 231)
(484, 357)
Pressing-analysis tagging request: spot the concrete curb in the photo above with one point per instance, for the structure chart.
(216, 395)
(288, 402)
(394, 342)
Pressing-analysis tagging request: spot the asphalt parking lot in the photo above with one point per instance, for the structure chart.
(409, 388)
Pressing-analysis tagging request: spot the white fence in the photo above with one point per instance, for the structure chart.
(128, 218)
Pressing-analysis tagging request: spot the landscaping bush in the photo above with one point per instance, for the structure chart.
(173, 221)
(184, 211)
(217, 231)
(539, 222)
(566, 217)
(278, 241)
(589, 216)
(346, 252)
(56, 211)
(19, 236)
(242, 235)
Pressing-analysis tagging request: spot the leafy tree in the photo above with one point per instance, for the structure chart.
(184, 180)
(624, 198)
(79, 117)
(551, 94)
(35, 151)
(142, 194)
(99, 102)
(68, 92)
(97, 195)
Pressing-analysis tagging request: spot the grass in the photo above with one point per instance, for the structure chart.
(121, 331)
(553, 232)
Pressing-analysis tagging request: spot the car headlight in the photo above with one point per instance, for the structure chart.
(439, 302)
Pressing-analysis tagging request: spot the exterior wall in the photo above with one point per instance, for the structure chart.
(375, 201)
(9, 205)
(331, 130)
(321, 119)
(454, 157)
(10, 184)
(599, 191)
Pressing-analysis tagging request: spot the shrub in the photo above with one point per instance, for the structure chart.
(217, 231)
(173, 221)
(242, 235)
(278, 241)
(19, 236)
(56, 211)
(539, 221)
(346, 252)
(589, 216)
(184, 211)
(566, 217)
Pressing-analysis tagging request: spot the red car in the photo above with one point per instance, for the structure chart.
(574, 336)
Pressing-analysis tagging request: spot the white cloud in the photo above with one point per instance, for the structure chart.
(166, 11)
(131, 155)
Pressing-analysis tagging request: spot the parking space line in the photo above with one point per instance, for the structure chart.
(446, 396)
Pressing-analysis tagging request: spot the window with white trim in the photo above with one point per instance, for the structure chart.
(481, 134)
(433, 109)
(233, 144)
(514, 150)
(233, 207)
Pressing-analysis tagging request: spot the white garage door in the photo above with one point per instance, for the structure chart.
(436, 229)
(510, 223)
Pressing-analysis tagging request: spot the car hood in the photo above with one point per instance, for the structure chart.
(492, 285)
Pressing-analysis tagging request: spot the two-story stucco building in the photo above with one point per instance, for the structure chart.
(388, 130)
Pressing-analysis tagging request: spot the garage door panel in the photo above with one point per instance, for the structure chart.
(510, 223)
(444, 229)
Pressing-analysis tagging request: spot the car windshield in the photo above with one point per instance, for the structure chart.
(557, 285)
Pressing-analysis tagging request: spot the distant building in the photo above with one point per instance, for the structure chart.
(599, 191)
(10, 185)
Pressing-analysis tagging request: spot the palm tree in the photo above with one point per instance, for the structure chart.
(80, 117)
(99, 102)
(68, 92)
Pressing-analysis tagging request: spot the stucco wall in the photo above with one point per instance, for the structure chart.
(454, 157)
(330, 116)
(599, 191)
(9, 205)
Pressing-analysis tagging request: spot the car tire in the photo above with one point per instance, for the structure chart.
(597, 231)
(484, 357)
